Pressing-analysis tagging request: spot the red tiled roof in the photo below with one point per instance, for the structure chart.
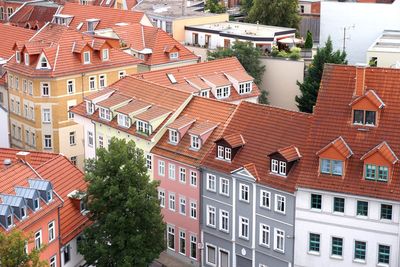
(181, 122)
(57, 42)
(333, 117)
(113, 100)
(203, 127)
(372, 97)
(152, 113)
(34, 15)
(240, 76)
(108, 16)
(37, 158)
(385, 151)
(217, 79)
(202, 110)
(95, 95)
(290, 153)
(265, 129)
(234, 140)
(133, 106)
(11, 34)
(340, 145)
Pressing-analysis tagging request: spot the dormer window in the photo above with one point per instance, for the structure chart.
(331, 167)
(364, 117)
(89, 107)
(378, 173)
(124, 121)
(23, 212)
(43, 63)
(143, 127)
(26, 59)
(278, 167)
(9, 220)
(223, 92)
(224, 153)
(173, 136)
(195, 142)
(205, 93)
(36, 204)
(49, 196)
(105, 54)
(366, 109)
(173, 55)
(105, 114)
(18, 56)
(86, 57)
(333, 157)
(245, 88)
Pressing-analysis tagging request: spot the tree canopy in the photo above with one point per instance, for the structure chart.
(128, 228)
(308, 44)
(282, 13)
(248, 55)
(309, 88)
(215, 6)
(12, 251)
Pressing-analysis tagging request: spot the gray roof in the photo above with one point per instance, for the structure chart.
(26, 192)
(37, 184)
(4, 209)
(13, 201)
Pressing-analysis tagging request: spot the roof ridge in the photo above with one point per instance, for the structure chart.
(272, 107)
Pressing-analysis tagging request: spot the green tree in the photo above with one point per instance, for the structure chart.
(263, 97)
(309, 41)
(12, 251)
(248, 55)
(282, 13)
(215, 6)
(245, 6)
(309, 88)
(128, 228)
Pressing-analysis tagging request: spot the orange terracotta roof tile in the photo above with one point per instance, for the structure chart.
(11, 34)
(290, 153)
(372, 97)
(340, 145)
(240, 76)
(385, 151)
(217, 79)
(113, 100)
(181, 122)
(97, 94)
(199, 83)
(133, 106)
(234, 140)
(185, 87)
(201, 128)
(152, 113)
(32, 16)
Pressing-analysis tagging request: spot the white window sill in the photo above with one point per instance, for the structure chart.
(279, 251)
(359, 261)
(314, 253)
(336, 257)
(362, 217)
(382, 265)
(316, 210)
(338, 213)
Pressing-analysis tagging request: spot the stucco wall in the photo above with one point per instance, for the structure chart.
(4, 129)
(385, 59)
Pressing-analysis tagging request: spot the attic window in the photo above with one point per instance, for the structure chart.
(105, 114)
(89, 107)
(26, 59)
(195, 142)
(173, 55)
(18, 56)
(49, 195)
(105, 54)
(376, 173)
(124, 121)
(332, 167)
(142, 127)
(223, 92)
(171, 78)
(43, 63)
(9, 220)
(173, 136)
(278, 167)
(36, 204)
(205, 93)
(23, 212)
(86, 57)
(245, 88)
(224, 153)
(364, 117)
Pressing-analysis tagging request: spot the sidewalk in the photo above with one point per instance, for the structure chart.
(166, 260)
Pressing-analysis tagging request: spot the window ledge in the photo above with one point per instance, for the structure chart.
(359, 261)
(316, 210)
(362, 217)
(335, 257)
(314, 253)
(382, 265)
(279, 251)
(338, 213)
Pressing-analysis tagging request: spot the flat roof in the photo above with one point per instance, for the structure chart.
(388, 41)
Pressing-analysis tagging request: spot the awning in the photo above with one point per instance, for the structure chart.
(290, 40)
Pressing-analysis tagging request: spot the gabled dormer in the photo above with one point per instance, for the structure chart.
(333, 157)
(282, 160)
(127, 112)
(228, 146)
(18, 56)
(366, 109)
(6, 216)
(379, 163)
(178, 128)
(107, 106)
(44, 188)
(149, 120)
(18, 205)
(200, 133)
(31, 195)
(241, 81)
(62, 19)
(221, 86)
(92, 24)
(43, 62)
(172, 52)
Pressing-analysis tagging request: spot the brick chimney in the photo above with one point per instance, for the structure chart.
(24, 156)
(360, 79)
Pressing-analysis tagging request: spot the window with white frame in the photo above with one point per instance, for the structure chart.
(72, 139)
(244, 192)
(101, 141)
(193, 210)
(47, 141)
(38, 239)
(71, 86)
(211, 182)
(243, 227)
(53, 261)
(193, 178)
(245, 88)
(86, 57)
(171, 237)
(223, 92)
(282, 168)
(228, 153)
(43, 63)
(182, 175)
(30, 87)
(92, 83)
(279, 236)
(173, 136)
(105, 114)
(46, 115)
(224, 186)
(105, 54)
(161, 197)
(121, 74)
(194, 142)
(265, 199)
(274, 165)
(18, 56)
(70, 114)
(224, 220)
(280, 202)
(193, 247)
(24, 86)
(52, 231)
(90, 139)
(161, 168)
(182, 242)
(89, 107)
(205, 93)
(182, 205)
(211, 220)
(102, 81)
(143, 127)
(45, 89)
(174, 55)
(211, 257)
(26, 59)
(149, 161)
(171, 201)
(171, 171)
(221, 152)
(123, 120)
(264, 235)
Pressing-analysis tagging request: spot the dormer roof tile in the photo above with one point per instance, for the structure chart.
(218, 80)
(240, 76)
(234, 140)
(113, 100)
(202, 128)
(385, 151)
(372, 96)
(153, 113)
(340, 145)
(133, 106)
(181, 122)
(290, 153)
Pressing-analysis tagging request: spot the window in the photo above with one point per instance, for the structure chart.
(314, 243)
(211, 216)
(53, 261)
(38, 239)
(243, 227)
(23, 212)
(228, 153)
(52, 231)
(182, 175)
(221, 151)
(9, 220)
(90, 139)
(171, 203)
(182, 205)
(205, 93)
(102, 81)
(338, 204)
(384, 254)
(364, 117)
(193, 210)
(71, 86)
(2, 18)
(224, 186)
(10, 11)
(334, 167)
(105, 114)
(211, 257)
(224, 153)
(280, 203)
(265, 199)
(174, 55)
(282, 168)
(223, 258)
(72, 138)
(316, 201)
(224, 221)
(171, 237)
(193, 247)
(171, 171)
(26, 59)
(362, 208)
(386, 212)
(264, 235)
(211, 182)
(18, 56)
(161, 168)
(123, 120)
(149, 162)
(223, 92)
(195, 142)
(86, 57)
(193, 178)
(45, 89)
(244, 88)
(360, 249)
(274, 166)
(337, 246)
(182, 242)
(70, 114)
(30, 87)
(47, 141)
(279, 243)
(43, 63)
(244, 193)
(74, 160)
(101, 141)
(24, 86)
(121, 74)
(46, 117)
(143, 127)
(105, 54)
(173, 136)
(373, 172)
(161, 197)
(168, 26)
(92, 83)
(27, 136)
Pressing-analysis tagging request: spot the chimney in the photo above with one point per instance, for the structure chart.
(24, 156)
(360, 79)
(184, 3)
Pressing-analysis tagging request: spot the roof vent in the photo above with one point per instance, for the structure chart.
(7, 162)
